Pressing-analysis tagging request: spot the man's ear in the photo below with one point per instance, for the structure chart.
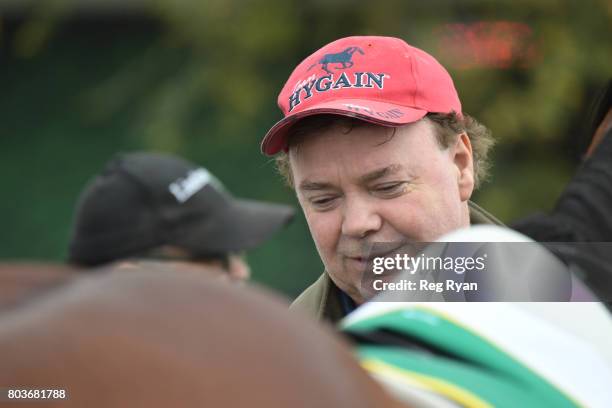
(464, 163)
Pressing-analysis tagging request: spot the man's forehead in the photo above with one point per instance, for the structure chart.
(336, 134)
(361, 153)
(359, 136)
(374, 174)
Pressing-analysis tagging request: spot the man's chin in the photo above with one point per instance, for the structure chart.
(354, 292)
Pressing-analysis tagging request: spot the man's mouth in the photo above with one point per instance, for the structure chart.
(359, 258)
(378, 250)
(357, 264)
(356, 258)
(363, 261)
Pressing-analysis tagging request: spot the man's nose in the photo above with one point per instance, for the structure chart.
(360, 218)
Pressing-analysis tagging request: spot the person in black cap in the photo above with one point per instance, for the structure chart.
(158, 206)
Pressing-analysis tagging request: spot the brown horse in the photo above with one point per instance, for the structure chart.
(149, 337)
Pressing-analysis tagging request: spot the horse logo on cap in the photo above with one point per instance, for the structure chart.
(342, 57)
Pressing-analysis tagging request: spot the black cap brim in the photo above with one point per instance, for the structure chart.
(241, 225)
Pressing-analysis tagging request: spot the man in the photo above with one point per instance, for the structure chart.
(157, 206)
(375, 144)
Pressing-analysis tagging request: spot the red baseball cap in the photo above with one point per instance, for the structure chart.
(382, 80)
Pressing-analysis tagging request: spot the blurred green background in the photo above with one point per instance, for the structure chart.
(83, 79)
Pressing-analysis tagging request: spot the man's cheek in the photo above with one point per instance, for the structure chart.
(324, 231)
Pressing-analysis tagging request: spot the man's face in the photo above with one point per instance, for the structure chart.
(231, 267)
(368, 186)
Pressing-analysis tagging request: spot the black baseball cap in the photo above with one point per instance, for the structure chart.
(142, 200)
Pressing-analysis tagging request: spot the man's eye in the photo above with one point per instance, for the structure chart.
(390, 188)
(323, 202)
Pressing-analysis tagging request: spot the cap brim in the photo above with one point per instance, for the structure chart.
(380, 113)
(242, 225)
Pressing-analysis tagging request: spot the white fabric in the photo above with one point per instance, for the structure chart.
(569, 344)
